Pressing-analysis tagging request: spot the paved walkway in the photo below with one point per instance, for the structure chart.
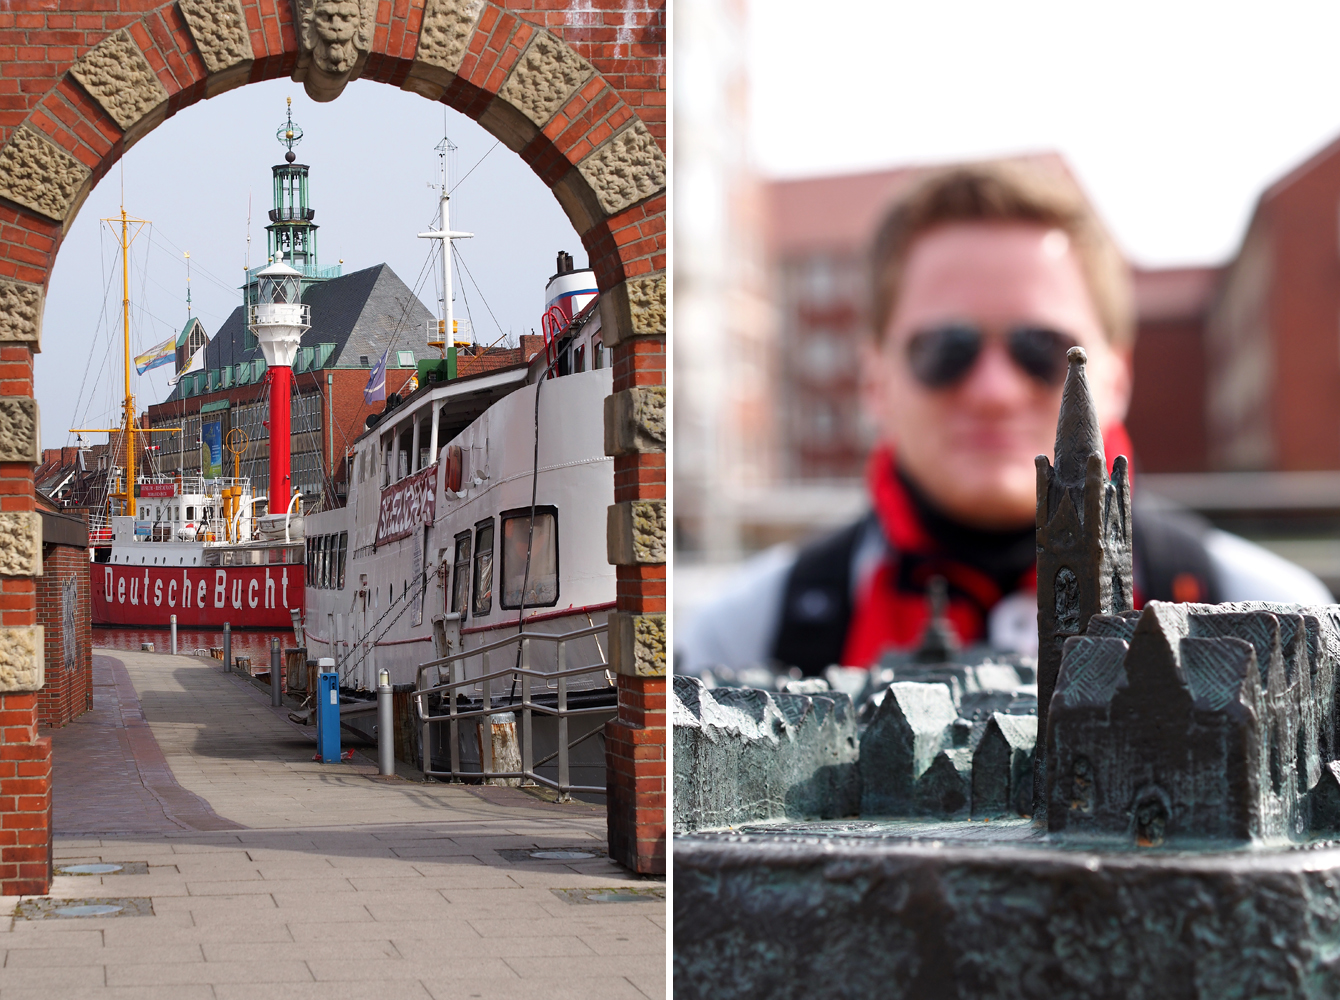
(272, 875)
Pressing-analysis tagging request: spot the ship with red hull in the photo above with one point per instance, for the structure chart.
(257, 597)
(192, 548)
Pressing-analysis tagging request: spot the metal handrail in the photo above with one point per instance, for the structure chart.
(522, 675)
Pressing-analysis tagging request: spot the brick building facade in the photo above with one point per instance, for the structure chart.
(1273, 378)
(65, 612)
(588, 115)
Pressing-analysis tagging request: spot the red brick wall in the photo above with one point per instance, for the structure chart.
(25, 799)
(68, 692)
(635, 752)
(1167, 414)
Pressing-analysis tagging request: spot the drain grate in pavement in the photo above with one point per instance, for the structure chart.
(578, 853)
(630, 894)
(107, 868)
(47, 908)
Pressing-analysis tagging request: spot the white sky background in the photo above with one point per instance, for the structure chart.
(372, 163)
(1174, 115)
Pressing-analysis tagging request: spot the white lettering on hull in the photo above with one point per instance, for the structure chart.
(258, 589)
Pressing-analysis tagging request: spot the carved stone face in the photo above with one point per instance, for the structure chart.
(337, 26)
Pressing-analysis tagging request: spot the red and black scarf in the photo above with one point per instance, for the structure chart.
(890, 607)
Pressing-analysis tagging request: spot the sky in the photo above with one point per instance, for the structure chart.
(373, 184)
(1174, 116)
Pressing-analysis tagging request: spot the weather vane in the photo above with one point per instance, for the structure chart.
(289, 134)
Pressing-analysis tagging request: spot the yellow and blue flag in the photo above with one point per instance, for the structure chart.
(155, 356)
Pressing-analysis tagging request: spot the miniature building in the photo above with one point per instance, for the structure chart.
(1083, 537)
(1195, 720)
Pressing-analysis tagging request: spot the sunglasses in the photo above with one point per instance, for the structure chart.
(944, 355)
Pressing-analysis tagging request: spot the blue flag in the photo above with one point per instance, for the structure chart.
(375, 390)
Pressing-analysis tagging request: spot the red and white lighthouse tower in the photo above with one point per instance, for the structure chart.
(279, 319)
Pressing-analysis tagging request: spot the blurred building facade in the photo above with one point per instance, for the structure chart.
(723, 408)
(1273, 333)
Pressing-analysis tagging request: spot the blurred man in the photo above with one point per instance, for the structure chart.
(983, 277)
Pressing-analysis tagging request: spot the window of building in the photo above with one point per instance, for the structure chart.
(405, 359)
(538, 586)
(483, 582)
(460, 575)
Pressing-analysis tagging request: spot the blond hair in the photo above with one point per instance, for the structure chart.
(1003, 192)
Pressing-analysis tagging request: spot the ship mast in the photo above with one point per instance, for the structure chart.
(446, 235)
(128, 429)
(130, 399)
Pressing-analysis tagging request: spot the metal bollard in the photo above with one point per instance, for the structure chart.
(385, 725)
(328, 711)
(173, 620)
(227, 648)
(276, 687)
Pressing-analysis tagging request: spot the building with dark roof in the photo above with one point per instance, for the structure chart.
(354, 319)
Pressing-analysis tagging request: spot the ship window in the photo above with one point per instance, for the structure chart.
(579, 359)
(323, 571)
(190, 513)
(597, 356)
(344, 549)
(404, 447)
(483, 582)
(311, 562)
(538, 586)
(425, 440)
(460, 590)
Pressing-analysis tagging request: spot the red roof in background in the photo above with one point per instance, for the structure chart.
(1175, 293)
(838, 213)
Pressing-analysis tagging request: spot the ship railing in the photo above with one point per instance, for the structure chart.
(519, 677)
(99, 527)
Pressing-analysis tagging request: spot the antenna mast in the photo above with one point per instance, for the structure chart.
(446, 235)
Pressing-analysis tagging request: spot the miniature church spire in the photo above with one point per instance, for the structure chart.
(1077, 432)
(1083, 540)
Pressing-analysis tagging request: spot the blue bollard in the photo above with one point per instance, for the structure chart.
(328, 711)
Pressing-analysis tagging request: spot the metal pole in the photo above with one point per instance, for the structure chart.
(564, 784)
(227, 648)
(527, 747)
(484, 726)
(173, 621)
(456, 673)
(385, 725)
(276, 687)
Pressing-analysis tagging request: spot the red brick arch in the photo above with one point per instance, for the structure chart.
(623, 41)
